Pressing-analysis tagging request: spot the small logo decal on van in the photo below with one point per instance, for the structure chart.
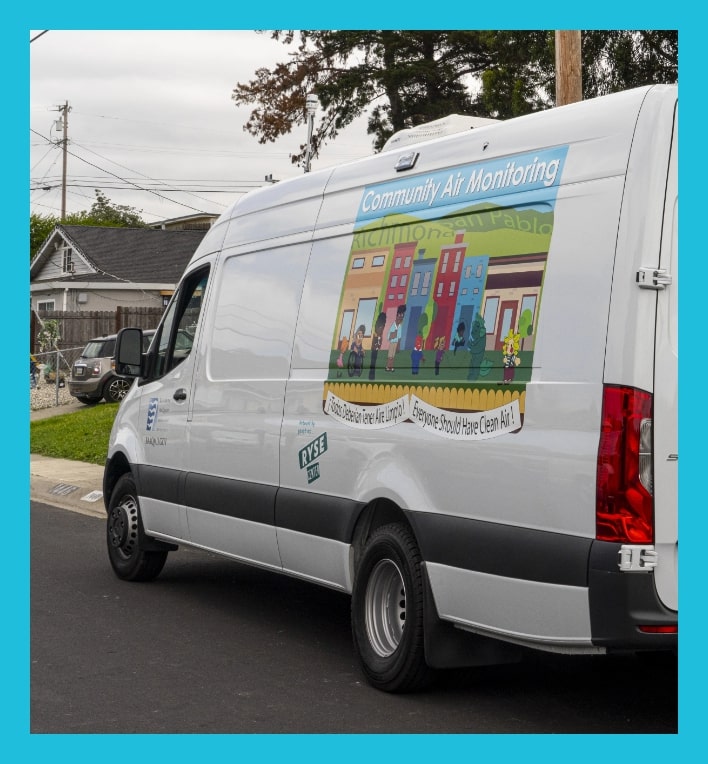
(312, 451)
(153, 407)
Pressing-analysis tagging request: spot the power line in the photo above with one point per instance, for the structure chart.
(133, 185)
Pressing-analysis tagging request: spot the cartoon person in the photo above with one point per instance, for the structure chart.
(417, 355)
(343, 346)
(357, 351)
(376, 340)
(510, 351)
(395, 334)
(439, 347)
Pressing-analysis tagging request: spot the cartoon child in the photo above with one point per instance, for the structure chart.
(459, 338)
(395, 334)
(510, 351)
(358, 345)
(417, 355)
(357, 342)
(439, 347)
(343, 346)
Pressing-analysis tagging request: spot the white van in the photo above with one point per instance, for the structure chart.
(442, 379)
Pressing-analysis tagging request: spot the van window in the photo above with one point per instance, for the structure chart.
(176, 334)
(255, 315)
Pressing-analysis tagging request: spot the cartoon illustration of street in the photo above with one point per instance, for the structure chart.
(453, 267)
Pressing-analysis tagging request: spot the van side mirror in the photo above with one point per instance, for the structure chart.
(129, 352)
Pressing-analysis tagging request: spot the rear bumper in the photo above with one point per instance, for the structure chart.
(92, 386)
(621, 602)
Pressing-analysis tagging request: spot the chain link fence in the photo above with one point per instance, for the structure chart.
(49, 377)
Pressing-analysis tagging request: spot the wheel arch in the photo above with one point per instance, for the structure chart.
(377, 512)
(117, 466)
(445, 645)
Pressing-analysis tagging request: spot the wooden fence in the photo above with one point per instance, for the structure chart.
(76, 328)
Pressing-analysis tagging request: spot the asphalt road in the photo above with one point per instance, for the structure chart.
(213, 646)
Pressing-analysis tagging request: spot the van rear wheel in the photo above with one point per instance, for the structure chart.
(123, 535)
(387, 611)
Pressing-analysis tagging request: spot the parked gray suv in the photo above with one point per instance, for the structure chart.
(93, 374)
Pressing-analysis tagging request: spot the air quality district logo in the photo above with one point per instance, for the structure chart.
(153, 407)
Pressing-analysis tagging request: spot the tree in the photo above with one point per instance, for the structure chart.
(620, 59)
(102, 213)
(523, 76)
(405, 77)
(40, 228)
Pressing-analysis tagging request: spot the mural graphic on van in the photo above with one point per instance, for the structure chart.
(441, 297)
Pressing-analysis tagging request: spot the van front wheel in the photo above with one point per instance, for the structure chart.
(387, 611)
(123, 534)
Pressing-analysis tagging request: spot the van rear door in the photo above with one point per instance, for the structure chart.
(666, 399)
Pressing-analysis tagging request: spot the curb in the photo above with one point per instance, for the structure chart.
(66, 484)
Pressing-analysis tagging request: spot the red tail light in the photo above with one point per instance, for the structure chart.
(670, 629)
(625, 506)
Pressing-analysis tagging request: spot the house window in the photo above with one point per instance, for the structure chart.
(67, 266)
(45, 305)
(357, 263)
(378, 260)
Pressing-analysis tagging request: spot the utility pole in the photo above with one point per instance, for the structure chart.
(569, 77)
(63, 124)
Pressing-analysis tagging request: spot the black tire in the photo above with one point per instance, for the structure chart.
(124, 532)
(87, 399)
(116, 388)
(387, 612)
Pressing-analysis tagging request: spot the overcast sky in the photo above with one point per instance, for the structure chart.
(153, 109)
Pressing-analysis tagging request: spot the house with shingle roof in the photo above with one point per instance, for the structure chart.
(95, 268)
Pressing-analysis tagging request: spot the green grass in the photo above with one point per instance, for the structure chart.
(81, 436)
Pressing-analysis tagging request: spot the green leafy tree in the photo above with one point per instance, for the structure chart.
(40, 228)
(526, 323)
(104, 213)
(405, 77)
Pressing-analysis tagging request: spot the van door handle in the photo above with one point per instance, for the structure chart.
(180, 395)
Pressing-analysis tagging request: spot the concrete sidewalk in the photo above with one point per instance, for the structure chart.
(64, 483)
(67, 484)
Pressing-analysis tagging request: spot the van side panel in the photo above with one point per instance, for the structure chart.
(238, 402)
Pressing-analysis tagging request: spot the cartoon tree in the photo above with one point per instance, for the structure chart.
(476, 346)
(526, 324)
